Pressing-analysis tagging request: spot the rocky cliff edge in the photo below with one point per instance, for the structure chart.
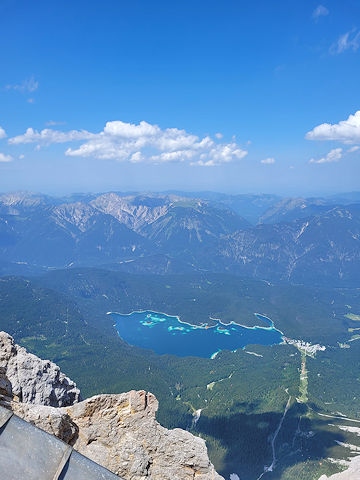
(118, 431)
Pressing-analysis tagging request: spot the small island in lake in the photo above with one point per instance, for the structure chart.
(167, 334)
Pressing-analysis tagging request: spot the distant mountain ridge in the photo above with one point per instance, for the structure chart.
(310, 241)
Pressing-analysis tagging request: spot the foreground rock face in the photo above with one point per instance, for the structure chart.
(119, 432)
(33, 380)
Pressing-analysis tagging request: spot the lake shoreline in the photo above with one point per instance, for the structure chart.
(205, 325)
(168, 334)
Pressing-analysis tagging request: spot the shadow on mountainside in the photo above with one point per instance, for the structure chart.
(246, 442)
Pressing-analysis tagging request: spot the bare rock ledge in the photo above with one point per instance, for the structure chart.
(119, 431)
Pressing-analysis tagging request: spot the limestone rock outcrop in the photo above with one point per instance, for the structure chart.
(121, 433)
(118, 431)
(34, 380)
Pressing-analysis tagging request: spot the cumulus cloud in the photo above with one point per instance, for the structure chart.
(2, 133)
(268, 161)
(333, 156)
(353, 149)
(49, 136)
(346, 131)
(320, 11)
(217, 154)
(136, 143)
(348, 41)
(28, 85)
(5, 158)
(128, 130)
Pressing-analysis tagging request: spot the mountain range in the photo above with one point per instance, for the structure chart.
(307, 241)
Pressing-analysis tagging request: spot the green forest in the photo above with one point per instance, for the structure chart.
(243, 396)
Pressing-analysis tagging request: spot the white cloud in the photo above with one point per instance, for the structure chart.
(219, 154)
(129, 130)
(5, 158)
(320, 11)
(333, 156)
(353, 149)
(176, 156)
(49, 136)
(346, 131)
(149, 143)
(268, 161)
(348, 41)
(2, 133)
(136, 143)
(28, 85)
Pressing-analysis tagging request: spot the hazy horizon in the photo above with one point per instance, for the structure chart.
(194, 192)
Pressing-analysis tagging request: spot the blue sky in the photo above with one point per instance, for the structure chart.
(231, 96)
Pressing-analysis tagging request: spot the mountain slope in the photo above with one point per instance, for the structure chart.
(313, 241)
(322, 249)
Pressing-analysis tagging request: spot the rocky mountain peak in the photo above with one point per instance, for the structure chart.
(32, 380)
(134, 212)
(77, 214)
(25, 199)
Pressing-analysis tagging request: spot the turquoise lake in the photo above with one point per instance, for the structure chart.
(166, 334)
